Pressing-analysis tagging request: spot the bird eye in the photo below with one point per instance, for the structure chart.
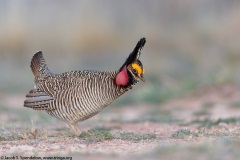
(134, 71)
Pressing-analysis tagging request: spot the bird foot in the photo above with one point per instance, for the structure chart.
(74, 128)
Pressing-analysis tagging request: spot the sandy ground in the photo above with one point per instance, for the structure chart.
(203, 125)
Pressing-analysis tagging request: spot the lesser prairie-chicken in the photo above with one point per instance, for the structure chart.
(78, 95)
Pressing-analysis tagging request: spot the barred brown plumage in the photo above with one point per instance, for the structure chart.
(78, 95)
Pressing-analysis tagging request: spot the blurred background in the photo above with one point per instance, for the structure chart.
(190, 43)
(193, 46)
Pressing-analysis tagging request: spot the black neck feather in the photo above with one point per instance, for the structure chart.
(135, 53)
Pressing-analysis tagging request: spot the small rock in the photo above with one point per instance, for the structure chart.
(6, 147)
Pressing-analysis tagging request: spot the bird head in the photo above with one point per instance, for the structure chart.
(132, 70)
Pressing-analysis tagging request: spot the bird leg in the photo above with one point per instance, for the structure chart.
(74, 128)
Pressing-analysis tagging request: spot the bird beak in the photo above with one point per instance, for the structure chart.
(142, 78)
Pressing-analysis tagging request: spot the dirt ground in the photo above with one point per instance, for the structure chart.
(203, 125)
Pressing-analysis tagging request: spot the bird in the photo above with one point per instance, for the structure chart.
(78, 95)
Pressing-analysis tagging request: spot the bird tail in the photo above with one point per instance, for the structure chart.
(39, 66)
(38, 100)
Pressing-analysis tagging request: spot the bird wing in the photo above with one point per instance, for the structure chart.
(49, 87)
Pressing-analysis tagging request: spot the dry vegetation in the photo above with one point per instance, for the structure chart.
(205, 124)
